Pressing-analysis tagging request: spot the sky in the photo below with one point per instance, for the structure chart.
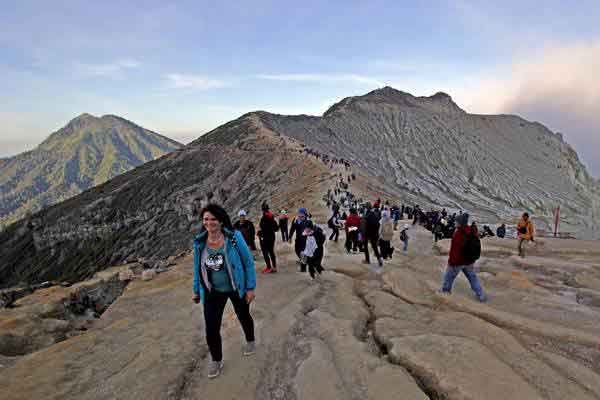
(184, 68)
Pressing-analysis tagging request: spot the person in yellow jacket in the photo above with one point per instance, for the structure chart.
(525, 232)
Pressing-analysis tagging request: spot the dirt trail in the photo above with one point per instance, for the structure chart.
(357, 333)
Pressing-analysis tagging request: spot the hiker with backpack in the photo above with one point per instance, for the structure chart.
(334, 224)
(386, 234)
(223, 270)
(268, 228)
(297, 227)
(370, 234)
(404, 238)
(246, 227)
(312, 255)
(465, 249)
(525, 232)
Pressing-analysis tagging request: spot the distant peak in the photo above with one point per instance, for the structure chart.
(441, 96)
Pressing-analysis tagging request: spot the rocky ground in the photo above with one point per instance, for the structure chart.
(357, 333)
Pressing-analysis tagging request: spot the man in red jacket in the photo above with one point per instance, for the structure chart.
(457, 261)
(352, 225)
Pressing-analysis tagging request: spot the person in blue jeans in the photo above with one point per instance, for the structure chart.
(457, 261)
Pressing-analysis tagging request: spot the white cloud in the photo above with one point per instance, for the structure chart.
(197, 82)
(557, 86)
(323, 78)
(112, 70)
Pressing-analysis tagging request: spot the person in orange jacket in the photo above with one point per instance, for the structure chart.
(525, 232)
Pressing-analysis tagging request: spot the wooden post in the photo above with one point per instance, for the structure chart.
(556, 219)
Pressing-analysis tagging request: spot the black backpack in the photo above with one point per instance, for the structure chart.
(403, 236)
(472, 248)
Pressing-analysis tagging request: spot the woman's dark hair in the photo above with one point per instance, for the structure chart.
(219, 213)
(526, 215)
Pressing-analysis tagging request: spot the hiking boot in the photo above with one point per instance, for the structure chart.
(214, 369)
(380, 261)
(267, 270)
(249, 348)
(273, 270)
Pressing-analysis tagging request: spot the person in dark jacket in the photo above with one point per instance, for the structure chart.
(297, 227)
(501, 231)
(334, 224)
(457, 261)
(283, 225)
(268, 228)
(313, 248)
(371, 234)
(246, 227)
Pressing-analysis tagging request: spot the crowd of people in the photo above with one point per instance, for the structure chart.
(224, 268)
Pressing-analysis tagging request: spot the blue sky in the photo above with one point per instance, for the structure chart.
(182, 69)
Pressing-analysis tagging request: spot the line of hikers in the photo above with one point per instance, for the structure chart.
(224, 264)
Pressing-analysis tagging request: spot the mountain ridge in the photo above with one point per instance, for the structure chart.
(87, 151)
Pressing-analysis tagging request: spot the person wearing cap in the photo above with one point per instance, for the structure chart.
(283, 225)
(268, 228)
(246, 227)
(404, 238)
(457, 260)
(297, 227)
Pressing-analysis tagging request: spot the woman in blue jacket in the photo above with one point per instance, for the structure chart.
(223, 269)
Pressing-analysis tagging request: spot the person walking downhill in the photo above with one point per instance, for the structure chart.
(246, 227)
(283, 225)
(404, 238)
(462, 257)
(312, 255)
(525, 232)
(334, 224)
(268, 228)
(297, 227)
(223, 270)
(352, 226)
(386, 234)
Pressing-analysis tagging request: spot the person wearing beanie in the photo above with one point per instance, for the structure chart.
(297, 227)
(246, 227)
(283, 225)
(268, 228)
(459, 259)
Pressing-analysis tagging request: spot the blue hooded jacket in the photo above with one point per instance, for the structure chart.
(238, 258)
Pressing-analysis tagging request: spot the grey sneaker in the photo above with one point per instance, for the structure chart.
(214, 369)
(250, 348)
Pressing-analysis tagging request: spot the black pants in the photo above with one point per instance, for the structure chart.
(214, 305)
(385, 249)
(314, 263)
(351, 241)
(267, 245)
(283, 226)
(298, 248)
(373, 241)
(335, 233)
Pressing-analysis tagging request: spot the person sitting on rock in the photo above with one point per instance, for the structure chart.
(246, 227)
(501, 231)
(459, 259)
(525, 232)
(223, 270)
